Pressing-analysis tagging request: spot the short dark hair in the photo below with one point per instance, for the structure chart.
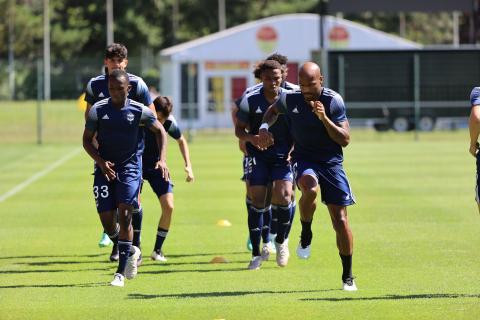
(119, 75)
(163, 105)
(266, 65)
(116, 50)
(278, 57)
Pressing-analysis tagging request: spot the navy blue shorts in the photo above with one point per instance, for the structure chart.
(159, 185)
(333, 182)
(124, 189)
(262, 173)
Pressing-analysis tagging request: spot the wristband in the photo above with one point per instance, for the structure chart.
(263, 126)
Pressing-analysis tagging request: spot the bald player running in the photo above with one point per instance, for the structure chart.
(320, 129)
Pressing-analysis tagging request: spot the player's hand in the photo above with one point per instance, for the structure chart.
(162, 167)
(265, 139)
(107, 169)
(474, 149)
(318, 109)
(189, 171)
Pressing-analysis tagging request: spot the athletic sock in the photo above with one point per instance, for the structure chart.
(137, 218)
(347, 267)
(306, 235)
(274, 222)
(124, 247)
(161, 235)
(283, 214)
(267, 218)
(292, 215)
(114, 236)
(255, 224)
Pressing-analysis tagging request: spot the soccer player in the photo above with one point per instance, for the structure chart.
(118, 168)
(266, 164)
(474, 127)
(116, 57)
(270, 219)
(163, 187)
(320, 129)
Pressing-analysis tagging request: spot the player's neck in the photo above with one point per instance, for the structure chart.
(119, 104)
(270, 96)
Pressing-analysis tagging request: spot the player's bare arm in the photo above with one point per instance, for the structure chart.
(269, 118)
(183, 145)
(340, 133)
(242, 134)
(474, 128)
(161, 138)
(88, 145)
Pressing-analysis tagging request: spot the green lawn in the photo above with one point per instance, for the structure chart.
(416, 229)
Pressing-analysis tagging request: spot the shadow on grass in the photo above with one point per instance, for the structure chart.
(71, 262)
(50, 271)
(78, 285)
(398, 297)
(219, 294)
(203, 254)
(188, 271)
(56, 256)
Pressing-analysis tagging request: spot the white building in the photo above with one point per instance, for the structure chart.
(205, 75)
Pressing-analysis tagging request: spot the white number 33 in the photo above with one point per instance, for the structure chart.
(103, 191)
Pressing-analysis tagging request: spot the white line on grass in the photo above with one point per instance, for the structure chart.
(40, 174)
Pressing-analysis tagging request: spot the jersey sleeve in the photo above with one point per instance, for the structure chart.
(475, 97)
(337, 109)
(174, 130)
(243, 110)
(281, 103)
(147, 118)
(143, 94)
(92, 120)
(89, 97)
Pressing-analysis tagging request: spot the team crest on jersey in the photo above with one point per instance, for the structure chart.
(130, 117)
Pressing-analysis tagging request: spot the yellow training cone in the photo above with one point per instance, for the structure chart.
(219, 259)
(224, 223)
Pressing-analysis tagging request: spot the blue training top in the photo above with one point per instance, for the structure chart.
(475, 96)
(312, 142)
(151, 154)
(118, 129)
(251, 109)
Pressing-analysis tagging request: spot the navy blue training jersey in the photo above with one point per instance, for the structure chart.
(97, 89)
(252, 107)
(118, 129)
(151, 154)
(475, 96)
(312, 142)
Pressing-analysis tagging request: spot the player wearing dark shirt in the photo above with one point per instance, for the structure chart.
(162, 187)
(266, 164)
(474, 128)
(319, 129)
(117, 123)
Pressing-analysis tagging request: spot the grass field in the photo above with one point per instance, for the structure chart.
(416, 230)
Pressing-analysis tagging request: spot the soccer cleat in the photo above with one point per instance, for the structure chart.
(118, 280)
(158, 256)
(249, 244)
(104, 241)
(265, 252)
(303, 253)
(255, 263)
(283, 253)
(349, 285)
(114, 254)
(131, 267)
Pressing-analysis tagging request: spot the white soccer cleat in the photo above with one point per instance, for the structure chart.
(283, 253)
(303, 253)
(131, 268)
(118, 280)
(349, 285)
(156, 256)
(266, 251)
(255, 263)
